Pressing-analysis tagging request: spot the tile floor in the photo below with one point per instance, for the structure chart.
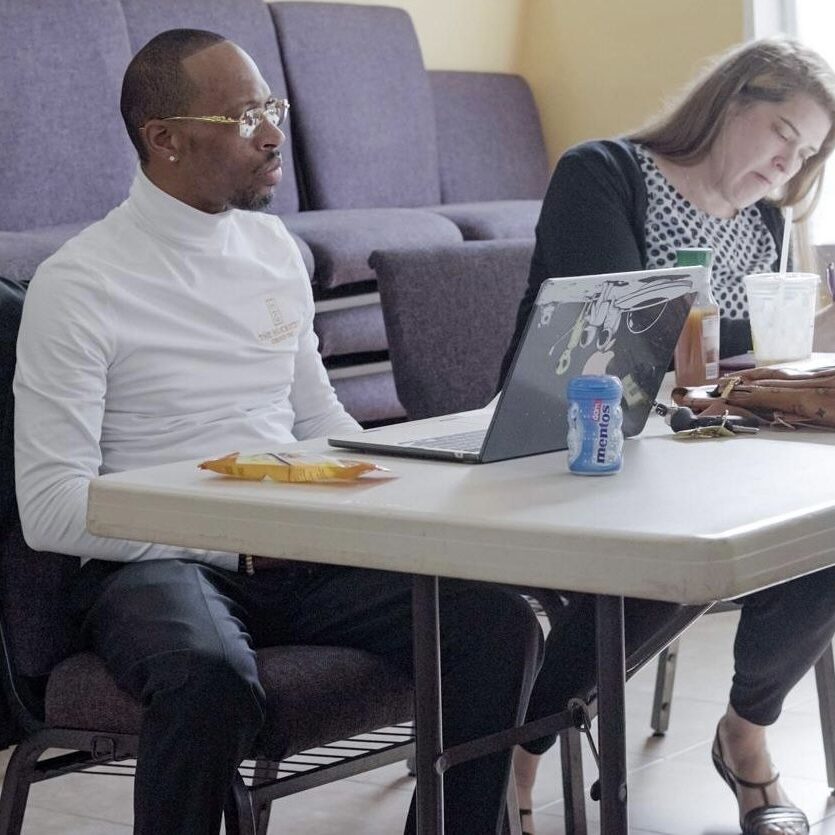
(673, 788)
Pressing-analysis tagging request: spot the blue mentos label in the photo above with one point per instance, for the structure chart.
(595, 420)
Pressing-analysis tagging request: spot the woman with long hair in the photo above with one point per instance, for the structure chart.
(749, 138)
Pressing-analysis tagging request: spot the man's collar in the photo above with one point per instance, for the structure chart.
(169, 217)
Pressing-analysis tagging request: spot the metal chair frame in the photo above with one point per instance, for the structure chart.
(258, 783)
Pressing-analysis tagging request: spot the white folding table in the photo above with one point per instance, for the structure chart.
(685, 521)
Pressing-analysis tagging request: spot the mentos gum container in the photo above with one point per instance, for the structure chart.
(595, 420)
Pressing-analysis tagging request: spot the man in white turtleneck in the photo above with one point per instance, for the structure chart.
(178, 327)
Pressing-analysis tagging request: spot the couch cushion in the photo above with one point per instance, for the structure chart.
(341, 241)
(248, 24)
(77, 164)
(489, 137)
(494, 219)
(22, 252)
(352, 330)
(318, 694)
(363, 120)
(450, 314)
(314, 695)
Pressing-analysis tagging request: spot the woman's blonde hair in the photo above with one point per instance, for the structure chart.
(772, 70)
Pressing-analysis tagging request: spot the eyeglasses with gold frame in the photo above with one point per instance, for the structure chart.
(274, 111)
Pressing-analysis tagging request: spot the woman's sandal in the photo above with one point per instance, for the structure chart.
(523, 813)
(762, 815)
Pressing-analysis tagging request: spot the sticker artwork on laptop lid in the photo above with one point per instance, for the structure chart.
(623, 324)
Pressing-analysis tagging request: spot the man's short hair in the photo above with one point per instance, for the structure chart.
(156, 85)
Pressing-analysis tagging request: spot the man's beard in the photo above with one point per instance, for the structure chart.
(250, 201)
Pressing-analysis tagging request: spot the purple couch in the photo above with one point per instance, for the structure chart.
(380, 153)
(492, 158)
(65, 161)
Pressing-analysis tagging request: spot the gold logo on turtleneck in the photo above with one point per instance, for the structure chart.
(280, 329)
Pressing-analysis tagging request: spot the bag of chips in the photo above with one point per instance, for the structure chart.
(296, 467)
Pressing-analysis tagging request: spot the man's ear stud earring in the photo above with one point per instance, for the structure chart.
(172, 158)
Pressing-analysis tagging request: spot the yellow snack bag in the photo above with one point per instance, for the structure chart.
(298, 467)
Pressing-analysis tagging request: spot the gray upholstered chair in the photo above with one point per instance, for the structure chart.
(60, 698)
(450, 314)
(494, 167)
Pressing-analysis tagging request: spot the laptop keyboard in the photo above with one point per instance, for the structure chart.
(462, 442)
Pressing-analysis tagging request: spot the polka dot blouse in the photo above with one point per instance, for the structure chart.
(741, 244)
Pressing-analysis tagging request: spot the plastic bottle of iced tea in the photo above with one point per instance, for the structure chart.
(697, 350)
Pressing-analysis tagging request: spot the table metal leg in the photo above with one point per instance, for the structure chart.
(611, 676)
(428, 722)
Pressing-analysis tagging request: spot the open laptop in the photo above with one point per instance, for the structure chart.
(625, 324)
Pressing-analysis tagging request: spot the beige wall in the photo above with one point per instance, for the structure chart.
(597, 67)
(602, 67)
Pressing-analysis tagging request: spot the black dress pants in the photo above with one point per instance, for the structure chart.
(782, 632)
(181, 636)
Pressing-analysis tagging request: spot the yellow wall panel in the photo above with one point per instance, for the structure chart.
(603, 67)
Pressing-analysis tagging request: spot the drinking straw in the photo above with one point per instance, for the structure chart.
(787, 233)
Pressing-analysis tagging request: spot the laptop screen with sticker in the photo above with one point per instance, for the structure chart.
(624, 324)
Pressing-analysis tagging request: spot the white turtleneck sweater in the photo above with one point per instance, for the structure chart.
(158, 334)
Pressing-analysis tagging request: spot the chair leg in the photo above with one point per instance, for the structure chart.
(411, 767)
(16, 784)
(265, 770)
(825, 681)
(574, 799)
(237, 812)
(664, 681)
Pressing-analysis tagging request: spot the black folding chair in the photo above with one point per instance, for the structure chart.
(351, 703)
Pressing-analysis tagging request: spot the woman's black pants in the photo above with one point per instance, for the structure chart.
(782, 632)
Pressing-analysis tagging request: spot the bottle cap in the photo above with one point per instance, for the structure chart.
(694, 257)
(595, 385)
